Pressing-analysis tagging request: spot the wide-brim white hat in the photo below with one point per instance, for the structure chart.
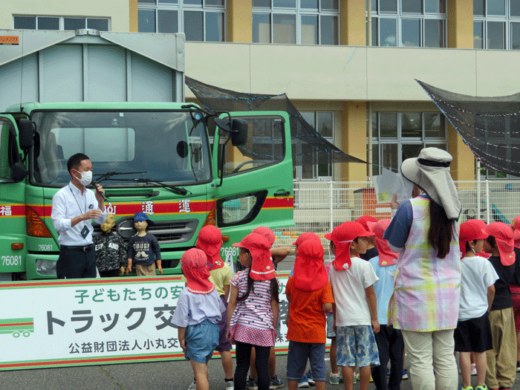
(431, 173)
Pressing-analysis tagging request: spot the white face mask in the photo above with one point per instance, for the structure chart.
(86, 177)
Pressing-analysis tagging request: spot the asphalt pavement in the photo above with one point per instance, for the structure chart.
(176, 375)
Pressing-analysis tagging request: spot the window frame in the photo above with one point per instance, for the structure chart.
(399, 16)
(298, 171)
(180, 7)
(507, 19)
(62, 21)
(298, 13)
(9, 151)
(399, 140)
(225, 146)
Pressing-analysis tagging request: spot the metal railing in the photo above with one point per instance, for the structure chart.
(321, 206)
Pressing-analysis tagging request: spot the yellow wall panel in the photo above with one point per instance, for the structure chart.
(354, 140)
(352, 22)
(460, 24)
(240, 21)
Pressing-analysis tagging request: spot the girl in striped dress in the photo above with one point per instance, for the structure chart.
(253, 309)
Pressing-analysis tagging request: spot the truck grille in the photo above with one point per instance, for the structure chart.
(166, 232)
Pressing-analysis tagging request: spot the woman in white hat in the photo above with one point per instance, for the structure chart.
(425, 304)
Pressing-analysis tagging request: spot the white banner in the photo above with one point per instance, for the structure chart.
(95, 321)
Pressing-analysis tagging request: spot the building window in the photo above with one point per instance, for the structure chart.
(410, 23)
(323, 122)
(397, 136)
(200, 20)
(496, 24)
(305, 22)
(60, 23)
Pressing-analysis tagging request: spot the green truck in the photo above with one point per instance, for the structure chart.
(123, 106)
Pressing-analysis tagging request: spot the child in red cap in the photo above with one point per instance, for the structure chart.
(501, 368)
(473, 332)
(355, 310)
(198, 311)
(514, 287)
(253, 309)
(278, 254)
(210, 242)
(371, 249)
(307, 379)
(389, 341)
(310, 296)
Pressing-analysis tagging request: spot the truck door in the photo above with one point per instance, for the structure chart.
(257, 178)
(12, 203)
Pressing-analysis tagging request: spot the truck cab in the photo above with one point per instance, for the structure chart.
(119, 99)
(156, 158)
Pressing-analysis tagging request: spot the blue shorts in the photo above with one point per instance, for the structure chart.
(201, 340)
(297, 360)
(357, 346)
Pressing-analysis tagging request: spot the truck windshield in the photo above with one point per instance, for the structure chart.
(165, 146)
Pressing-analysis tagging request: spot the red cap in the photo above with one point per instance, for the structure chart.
(347, 232)
(309, 270)
(481, 225)
(262, 267)
(477, 222)
(386, 255)
(342, 236)
(210, 241)
(365, 219)
(305, 237)
(515, 224)
(194, 267)
(266, 232)
(469, 231)
(516, 238)
(505, 242)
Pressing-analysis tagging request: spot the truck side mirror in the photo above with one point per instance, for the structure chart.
(222, 124)
(27, 130)
(18, 172)
(238, 132)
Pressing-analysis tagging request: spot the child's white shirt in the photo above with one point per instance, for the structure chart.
(477, 274)
(349, 292)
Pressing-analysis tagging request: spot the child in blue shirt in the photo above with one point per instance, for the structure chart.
(143, 249)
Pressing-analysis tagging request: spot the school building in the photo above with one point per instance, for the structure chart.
(348, 65)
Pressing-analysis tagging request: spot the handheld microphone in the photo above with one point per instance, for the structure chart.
(99, 192)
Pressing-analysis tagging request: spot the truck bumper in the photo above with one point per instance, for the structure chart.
(43, 266)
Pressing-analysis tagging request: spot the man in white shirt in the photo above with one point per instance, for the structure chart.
(73, 208)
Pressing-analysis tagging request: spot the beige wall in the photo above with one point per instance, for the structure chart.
(117, 10)
(347, 73)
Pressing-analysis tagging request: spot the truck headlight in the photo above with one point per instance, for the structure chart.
(46, 267)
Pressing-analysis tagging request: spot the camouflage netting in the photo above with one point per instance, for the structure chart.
(490, 126)
(308, 146)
